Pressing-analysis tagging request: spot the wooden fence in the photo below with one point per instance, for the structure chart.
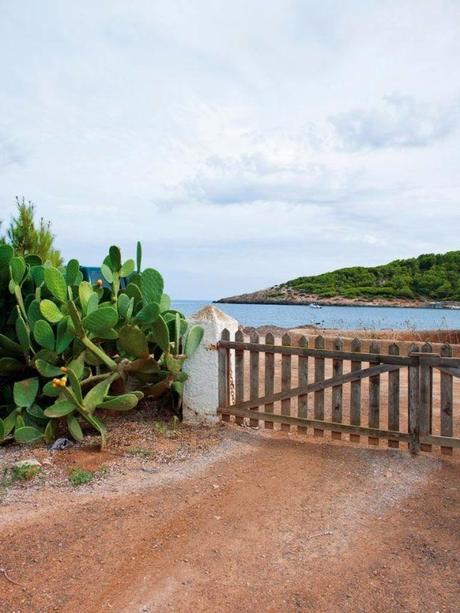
(401, 398)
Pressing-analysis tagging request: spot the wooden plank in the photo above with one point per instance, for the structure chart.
(285, 381)
(393, 397)
(355, 393)
(374, 396)
(444, 441)
(454, 372)
(254, 377)
(269, 378)
(321, 385)
(303, 382)
(413, 405)
(239, 374)
(326, 425)
(319, 394)
(426, 389)
(344, 355)
(337, 390)
(224, 374)
(438, 361)
(447, 402)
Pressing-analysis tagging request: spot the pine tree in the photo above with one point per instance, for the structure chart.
(28, 237)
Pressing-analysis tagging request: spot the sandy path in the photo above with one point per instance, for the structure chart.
(261, 523)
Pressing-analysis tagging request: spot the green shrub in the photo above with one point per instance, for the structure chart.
(24, 472)
(79, 476)
(69, 349)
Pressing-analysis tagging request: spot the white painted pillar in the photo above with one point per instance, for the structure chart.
(201, 390)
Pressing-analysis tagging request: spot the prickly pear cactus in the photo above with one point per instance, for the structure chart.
(64, 342)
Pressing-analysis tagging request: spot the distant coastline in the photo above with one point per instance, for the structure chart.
(294, 298)
(429, 281)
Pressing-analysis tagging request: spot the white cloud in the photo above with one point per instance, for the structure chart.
(244, 143)
(399, 122)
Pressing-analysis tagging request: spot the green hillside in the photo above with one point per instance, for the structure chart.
(430, 276)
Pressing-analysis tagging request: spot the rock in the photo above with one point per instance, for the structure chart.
(60, 444)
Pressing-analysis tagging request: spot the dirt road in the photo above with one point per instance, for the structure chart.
(259, 523)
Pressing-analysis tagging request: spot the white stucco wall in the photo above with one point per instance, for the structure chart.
(201, 390)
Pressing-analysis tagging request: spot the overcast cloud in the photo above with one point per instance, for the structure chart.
(245, 143)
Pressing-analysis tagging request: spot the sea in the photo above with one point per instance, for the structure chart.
(342, 317)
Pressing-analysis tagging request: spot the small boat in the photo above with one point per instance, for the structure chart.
(315, 306)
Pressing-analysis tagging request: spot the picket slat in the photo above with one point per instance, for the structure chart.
(254, 377)
(269, 378)
(337, 390)
(355, 393)
(286, 381)
(393, 397)
(303, 382)
(374, 396)
(319, 395)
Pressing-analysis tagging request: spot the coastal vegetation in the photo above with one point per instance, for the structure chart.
(429, 276)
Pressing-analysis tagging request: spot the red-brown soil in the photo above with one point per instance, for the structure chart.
(229, 519)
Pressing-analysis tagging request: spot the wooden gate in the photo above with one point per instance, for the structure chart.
(399, 398)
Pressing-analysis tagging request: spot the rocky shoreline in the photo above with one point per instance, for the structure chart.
(278, 296)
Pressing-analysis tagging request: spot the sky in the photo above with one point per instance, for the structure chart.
(244, 143)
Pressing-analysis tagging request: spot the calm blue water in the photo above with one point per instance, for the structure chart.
(290, 316)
